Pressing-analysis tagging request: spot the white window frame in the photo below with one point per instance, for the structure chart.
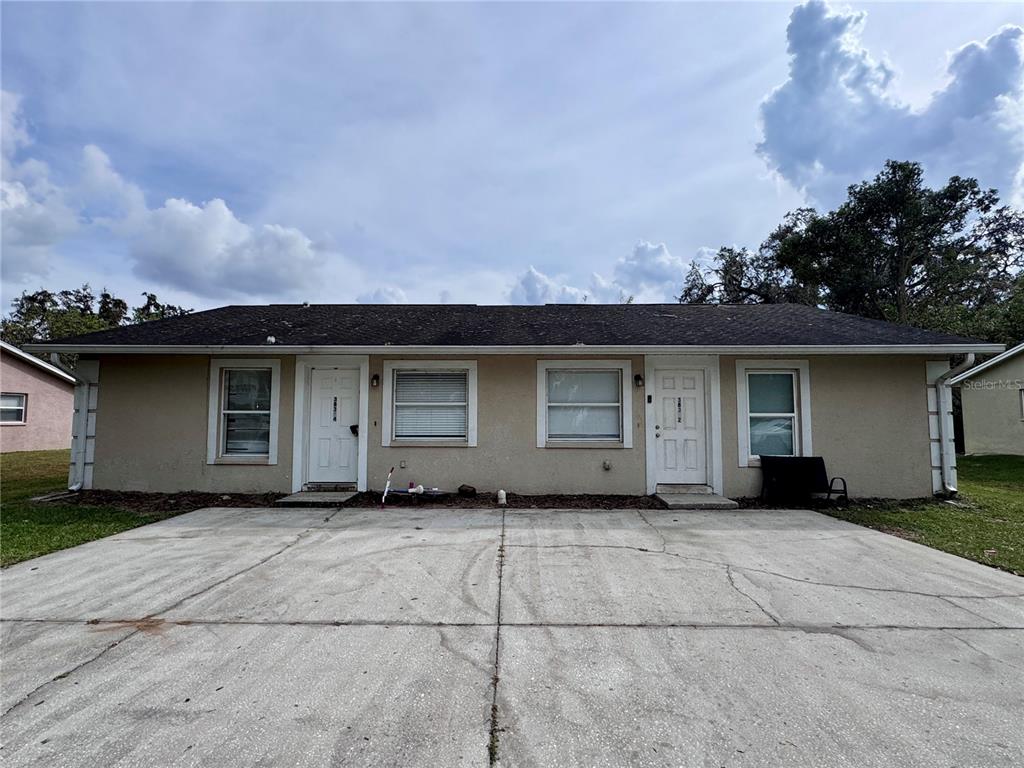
(23, 409)
(801, 431)
(214, 454)
(388, 438)
(625, 367)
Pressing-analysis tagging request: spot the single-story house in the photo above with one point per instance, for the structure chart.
(35, 403)
(992, 400)
(532, 399)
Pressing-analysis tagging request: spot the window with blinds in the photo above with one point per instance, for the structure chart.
(431, 405)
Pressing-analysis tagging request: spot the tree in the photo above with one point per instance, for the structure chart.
(739, 276)
(947, 259)
(43, 315)
(154, 310)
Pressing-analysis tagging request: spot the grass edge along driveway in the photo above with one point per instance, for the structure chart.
(29, 529)
(985, 524)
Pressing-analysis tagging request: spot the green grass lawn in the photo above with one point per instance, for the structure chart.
(986, 522)
(29, 529)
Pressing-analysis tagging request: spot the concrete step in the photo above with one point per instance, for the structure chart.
(696, 501)
(681, 488)
(315, 499)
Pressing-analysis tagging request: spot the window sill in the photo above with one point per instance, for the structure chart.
(13, 423)
(755, 461)
(429, 444)
(603, 444)
(246, 460)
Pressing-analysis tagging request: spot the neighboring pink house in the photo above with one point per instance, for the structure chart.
(37, 402)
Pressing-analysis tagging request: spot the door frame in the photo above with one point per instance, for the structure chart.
(300, 430)
(709, 364)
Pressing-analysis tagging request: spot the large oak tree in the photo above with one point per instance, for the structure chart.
(948, 259)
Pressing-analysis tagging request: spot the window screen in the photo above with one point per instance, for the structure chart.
(584, 405)
(772, 413)
(12, 408)
(245, 412)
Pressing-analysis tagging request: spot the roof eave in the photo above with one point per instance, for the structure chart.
(49, 368)
(570, 349)
(970, 372)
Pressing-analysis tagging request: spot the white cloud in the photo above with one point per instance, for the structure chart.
(202, 249)
(15, 132)
(835, 122)
(35, 214)
(534, 287)
(104, 194)
(386, 294)
(205, 249)
(648, 274)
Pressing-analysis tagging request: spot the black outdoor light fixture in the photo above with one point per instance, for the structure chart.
(375, 380)
(639, 381)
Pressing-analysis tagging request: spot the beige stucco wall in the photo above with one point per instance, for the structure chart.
(50, 404)
(151, 427)
(869, 420)
(506, 455)
(992, 409)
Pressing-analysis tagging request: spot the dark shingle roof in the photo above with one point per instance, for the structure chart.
(548, 325)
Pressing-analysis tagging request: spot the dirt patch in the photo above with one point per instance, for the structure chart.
(902, 533)
(162, 503)
(514, 501)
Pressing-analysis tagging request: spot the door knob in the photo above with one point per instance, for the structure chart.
(657, 434)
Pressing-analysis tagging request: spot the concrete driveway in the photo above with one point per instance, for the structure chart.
(451, 637)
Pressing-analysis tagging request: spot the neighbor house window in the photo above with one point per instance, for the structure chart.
(773, 409)
(12, 408)
(429, 402)
(582, 402)
(244, 397)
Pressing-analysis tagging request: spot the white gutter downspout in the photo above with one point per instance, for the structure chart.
(941, 392)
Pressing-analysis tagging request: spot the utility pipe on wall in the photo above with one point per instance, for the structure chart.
(942, 390)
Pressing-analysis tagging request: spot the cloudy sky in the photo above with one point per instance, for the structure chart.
(243, 153)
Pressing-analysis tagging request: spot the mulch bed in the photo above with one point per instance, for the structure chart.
(160, 503)
(513, 501)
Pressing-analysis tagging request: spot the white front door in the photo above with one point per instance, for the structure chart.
(333, 450)
(680, 436)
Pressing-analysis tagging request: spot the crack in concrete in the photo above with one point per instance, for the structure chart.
(247, 569)
(68, 673)
(356, 623)
(948, 601)
(492, 742)
(653, 527)
(724, 564)
(952, 633)
(141, 623)
(732, 583)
